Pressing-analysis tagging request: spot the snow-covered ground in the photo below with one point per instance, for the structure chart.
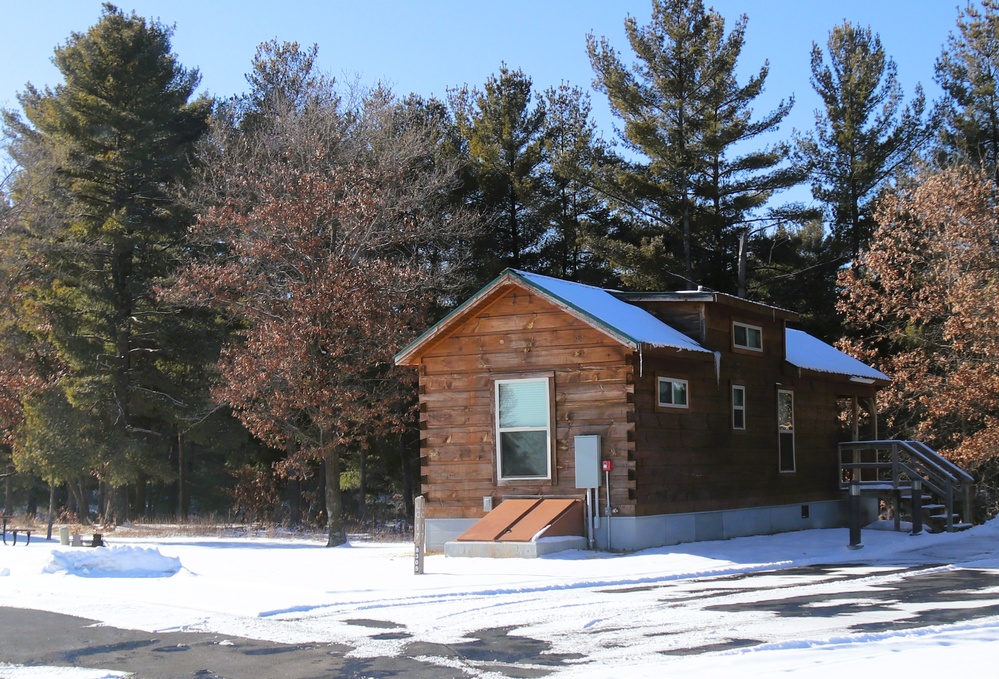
(612, 615)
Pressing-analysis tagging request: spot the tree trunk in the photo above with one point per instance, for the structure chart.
(294, 495)
(48, 532)
(334, 500)
(6, 488)
(79, 492)
(742, 288)
(140, 506)
(362, 489)
(181, 479)
(407, 477)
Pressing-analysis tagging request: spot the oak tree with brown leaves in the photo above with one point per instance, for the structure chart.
(922, 304)
(323, 243)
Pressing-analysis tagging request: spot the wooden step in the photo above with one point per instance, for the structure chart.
(943, 517)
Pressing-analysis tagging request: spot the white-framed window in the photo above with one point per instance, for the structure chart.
(746, 336)
(785, 429)
(672, 392)
(523, 429)
(738, 406)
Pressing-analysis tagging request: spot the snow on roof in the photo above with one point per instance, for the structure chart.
(805, 351)
(604, 309)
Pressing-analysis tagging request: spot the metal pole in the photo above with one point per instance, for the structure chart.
(589, 518)
(917, 506)
(607, 509)
(855, 516)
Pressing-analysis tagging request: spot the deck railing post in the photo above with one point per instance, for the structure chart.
(855, 515)
(917, 506)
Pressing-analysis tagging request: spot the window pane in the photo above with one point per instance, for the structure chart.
(680, 393)
(740, 335)
(754, 338)
(525, 453)
(523, 404)
(739, 419)
(738, 397)
(665, 391)
(786, 451)
(785, 411)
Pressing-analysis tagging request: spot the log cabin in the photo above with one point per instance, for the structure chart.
(672, 417)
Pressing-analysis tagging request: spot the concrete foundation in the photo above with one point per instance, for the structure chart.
(631, 533)
(515, 550)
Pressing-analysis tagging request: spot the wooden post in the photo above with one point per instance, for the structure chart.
(855, 419)
(419, 533)
(917, 506)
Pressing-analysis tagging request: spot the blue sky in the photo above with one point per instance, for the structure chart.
(429, 46)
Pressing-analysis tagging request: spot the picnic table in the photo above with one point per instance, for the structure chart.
(15, 531)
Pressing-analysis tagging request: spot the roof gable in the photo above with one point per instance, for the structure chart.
(625, 323)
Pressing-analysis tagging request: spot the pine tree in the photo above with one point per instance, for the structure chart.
(967, 71)
(863, 136)
(574, 211)
(100, 155)
(688, 194)
(503, 130)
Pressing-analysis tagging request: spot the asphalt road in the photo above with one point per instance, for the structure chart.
(49, 639)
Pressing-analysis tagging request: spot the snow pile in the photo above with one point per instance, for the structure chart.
(19, 672)
(118, 561)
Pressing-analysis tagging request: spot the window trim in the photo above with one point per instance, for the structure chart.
(739, 408)
(672, 380)
(782, 430)
(549, 428)
(748, 327)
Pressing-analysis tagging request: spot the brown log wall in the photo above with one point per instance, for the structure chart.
(520, 335)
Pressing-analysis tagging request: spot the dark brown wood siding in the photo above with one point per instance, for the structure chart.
(693, 459)
(520, 335)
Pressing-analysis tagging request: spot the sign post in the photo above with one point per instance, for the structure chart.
(419, 533)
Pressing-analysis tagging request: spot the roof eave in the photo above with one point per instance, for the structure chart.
(852, 378)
